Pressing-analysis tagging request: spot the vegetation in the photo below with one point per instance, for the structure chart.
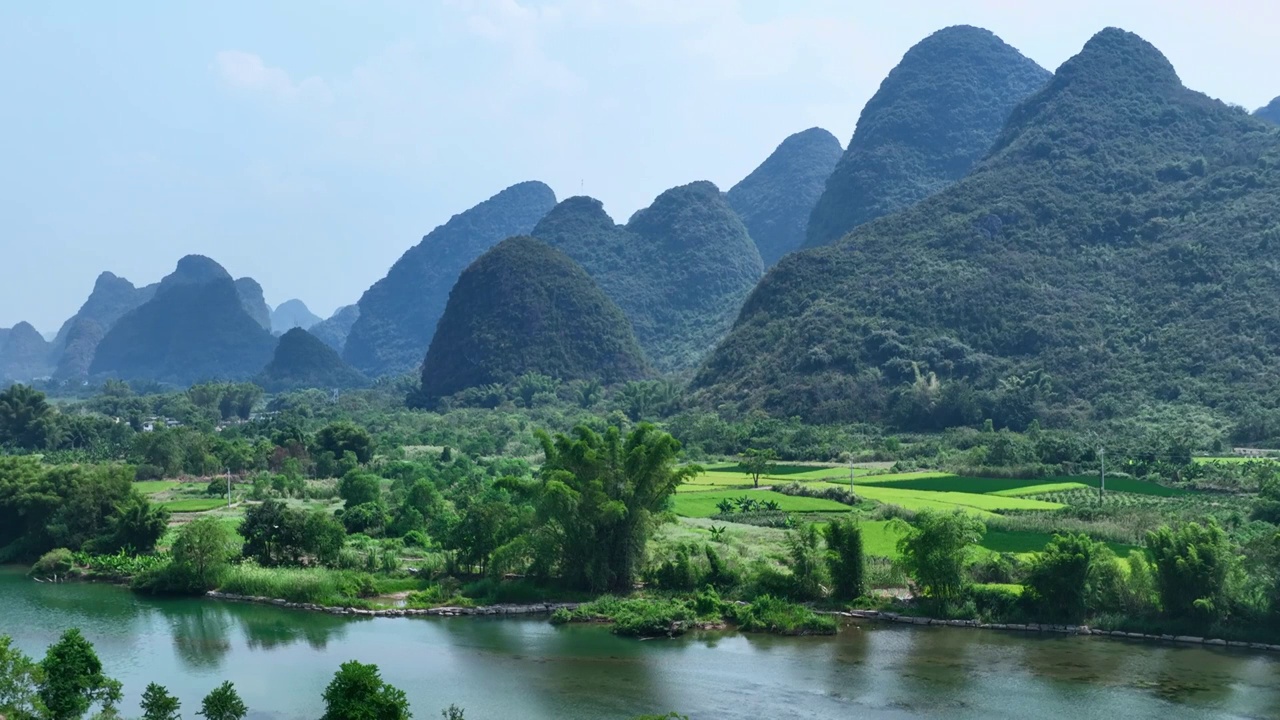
(333, 331)
(524, 308)
(357, 692)
(775, 200)
(678, 270)
(302, 361)
(931, 121)
(194, 328)
(398, 315)
(1077, 212)
(77, 340)
(24, 353)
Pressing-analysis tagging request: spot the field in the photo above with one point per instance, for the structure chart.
(703, 504)
(193, 504)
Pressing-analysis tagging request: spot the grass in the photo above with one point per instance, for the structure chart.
(1233, 459)
(703, 504)
(310, 585)
(151, 487)
(1041, 489)
(981, 505)
(194, 504)
(954, 483)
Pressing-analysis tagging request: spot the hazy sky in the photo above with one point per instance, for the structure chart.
(309, 144)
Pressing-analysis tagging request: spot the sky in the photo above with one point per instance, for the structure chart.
(309, 144)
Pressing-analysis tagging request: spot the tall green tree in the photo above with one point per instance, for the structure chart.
(357, 692)
(1193, 567)
(1060, 583)
(73, 680)
(201, 552)
(935, 550)
(26, 419)
(358, 488)
(598, 500)
(845, 560)
(223, 703)
(158, 704)
(759, 462)
(20, 679)
(343, 437)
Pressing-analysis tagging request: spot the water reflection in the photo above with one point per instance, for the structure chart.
(201, 633)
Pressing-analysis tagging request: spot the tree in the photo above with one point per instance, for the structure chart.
(273, 534)
(323, 536)
(845, 559)
(1193, 566)
(137, 525)
(20, 679)
(26, 419)
(343, 437)
(202, 551)
(597, 501)
(73, 680)
(158, 704)
(223, 703)
(357, 692)
(1060, 581)
(805, 561)
(935, 550)
(759, 462)
(357, 488)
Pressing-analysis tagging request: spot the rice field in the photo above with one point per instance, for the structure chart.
(193, 504)
(703, 504)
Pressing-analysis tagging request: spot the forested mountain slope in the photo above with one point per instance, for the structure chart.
(112, 296)
(1112, 252)
(679, 269)
(934, 116)
(333, 330)
(303, 361)
(398, 315)
(1270, 112)
(525, 307)
(775, 200)
(195, 328)
(24, 354)
(291, 314)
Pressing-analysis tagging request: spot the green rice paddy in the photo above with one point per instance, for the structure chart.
(703, 504)
(194, 504)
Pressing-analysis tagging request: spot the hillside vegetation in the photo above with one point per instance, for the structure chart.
(78, 338)
(398, 315)
(679, 269)
(775, 200)
(302, 361)
(933, 118)
(195, 328)
(1109, 254)
(525, 307)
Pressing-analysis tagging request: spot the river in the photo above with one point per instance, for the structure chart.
(499, 669)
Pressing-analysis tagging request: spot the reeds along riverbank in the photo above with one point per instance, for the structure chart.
(1084, 630)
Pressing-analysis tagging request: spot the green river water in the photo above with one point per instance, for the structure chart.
(281, 660)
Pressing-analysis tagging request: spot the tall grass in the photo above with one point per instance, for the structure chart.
(321, 586)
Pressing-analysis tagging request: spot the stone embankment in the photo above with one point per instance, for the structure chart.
(1054, 629)
(487, 610)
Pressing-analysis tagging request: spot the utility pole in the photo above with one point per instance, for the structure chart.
(850, 473)
(1102, 479)
(228, 487)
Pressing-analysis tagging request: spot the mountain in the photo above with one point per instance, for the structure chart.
(398, 315)
(303, 361)
(254, 302)
(933, 118)
(679, 269)
(1108, 256)
(775, 200)
(1270, 112)
(525, 307)
(24, 354)
(333, 331)
(195, 328)
(291, 314)
(4, 335)
(77, 340)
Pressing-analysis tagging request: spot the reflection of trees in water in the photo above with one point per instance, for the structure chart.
(201, 633)
(266, 628)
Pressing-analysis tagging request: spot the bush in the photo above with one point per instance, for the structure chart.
(770, 614)
(55, 563)
(995, 601)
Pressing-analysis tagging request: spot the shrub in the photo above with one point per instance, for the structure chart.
(55, 563)
(995, 601)
(770, 614)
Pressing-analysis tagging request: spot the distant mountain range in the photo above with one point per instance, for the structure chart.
(1106, 256)
(933, 118)
(292, 314)
(398, 315)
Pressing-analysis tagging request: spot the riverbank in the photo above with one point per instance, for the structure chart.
(1081, 630)
(547, 608)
